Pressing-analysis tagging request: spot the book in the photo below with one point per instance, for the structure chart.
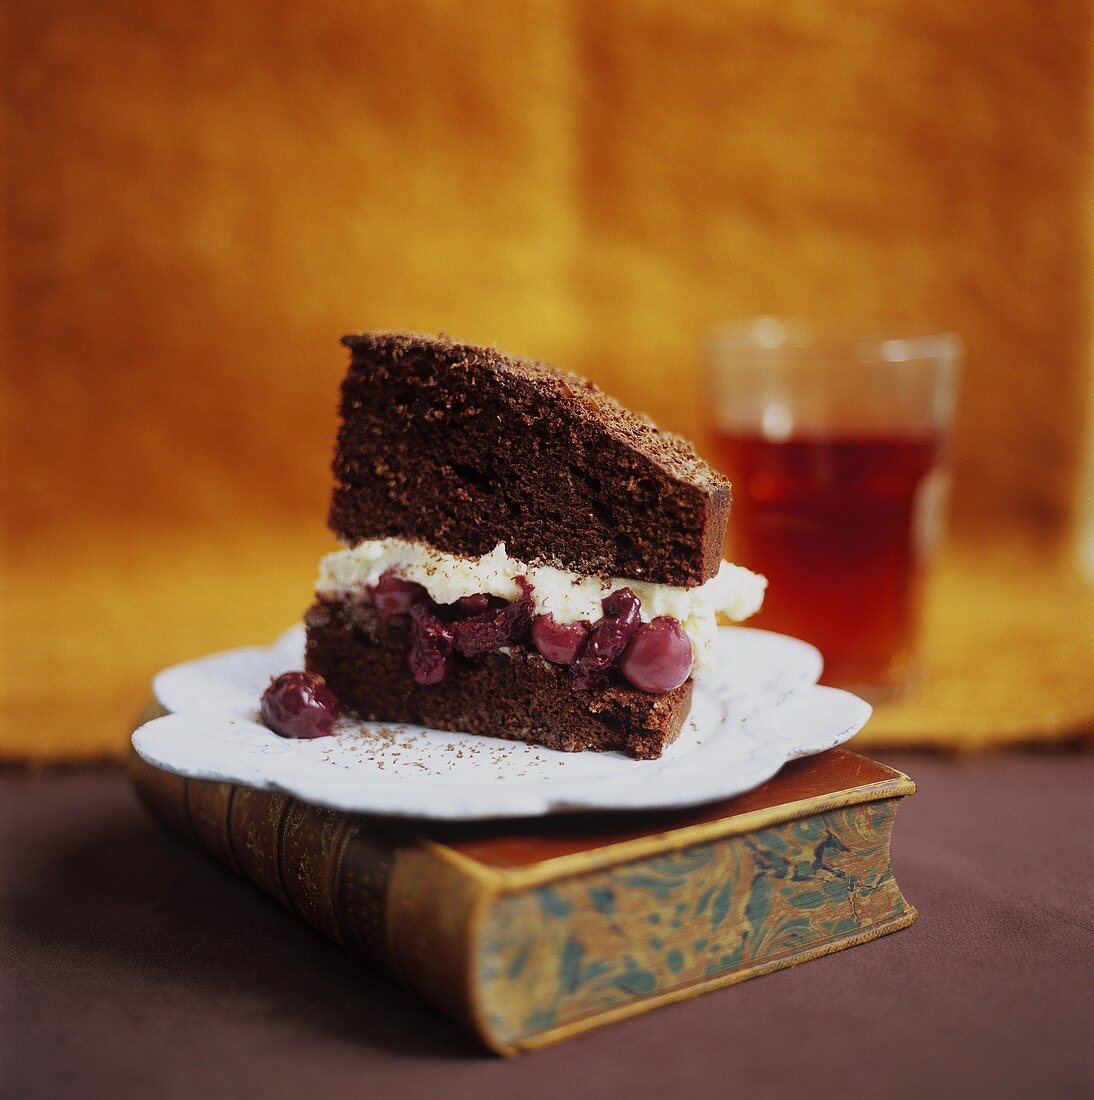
(534, 930)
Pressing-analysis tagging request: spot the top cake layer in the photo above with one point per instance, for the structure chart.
(463, 447)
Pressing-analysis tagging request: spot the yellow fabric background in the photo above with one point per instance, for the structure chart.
(201, 198)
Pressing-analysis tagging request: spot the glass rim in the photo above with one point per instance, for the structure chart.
(792, 341)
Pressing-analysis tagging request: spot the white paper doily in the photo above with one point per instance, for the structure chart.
(757, 707)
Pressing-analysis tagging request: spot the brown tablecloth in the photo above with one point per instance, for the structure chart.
(132, 966)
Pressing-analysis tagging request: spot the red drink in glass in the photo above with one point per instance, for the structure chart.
(835, 447)
(840, 526)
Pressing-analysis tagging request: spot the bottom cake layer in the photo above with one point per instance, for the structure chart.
(516, 695)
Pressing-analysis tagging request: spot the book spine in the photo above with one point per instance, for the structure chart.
(401, 905)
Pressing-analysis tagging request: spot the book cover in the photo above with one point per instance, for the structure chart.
(531, 931)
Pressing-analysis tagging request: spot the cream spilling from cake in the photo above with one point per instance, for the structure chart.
(734, 591)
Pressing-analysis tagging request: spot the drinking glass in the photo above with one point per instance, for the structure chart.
(837, 449)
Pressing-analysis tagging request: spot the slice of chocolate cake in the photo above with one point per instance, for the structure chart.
(523, 557)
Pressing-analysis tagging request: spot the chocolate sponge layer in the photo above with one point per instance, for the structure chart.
(519, 696)
(464, 447)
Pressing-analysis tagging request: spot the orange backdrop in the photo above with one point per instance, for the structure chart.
(202, 197)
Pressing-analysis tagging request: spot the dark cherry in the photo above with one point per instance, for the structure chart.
(560, 643)
(497, 627)
(659, 656)
(607, 639)
(393, 595)
(299, 704)
(431, 643)
(467, 606)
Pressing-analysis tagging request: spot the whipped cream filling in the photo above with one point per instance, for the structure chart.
(734, 591)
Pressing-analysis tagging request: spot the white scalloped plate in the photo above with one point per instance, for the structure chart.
(757, 707)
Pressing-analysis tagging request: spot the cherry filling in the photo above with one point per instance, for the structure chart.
(467, 606)
(654, 657)
(560, 643)
(607, 640)
(496, 627)
(393, 595)
(431, 645)
(659, 656)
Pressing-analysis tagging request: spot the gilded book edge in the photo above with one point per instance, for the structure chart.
(635, 1008)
